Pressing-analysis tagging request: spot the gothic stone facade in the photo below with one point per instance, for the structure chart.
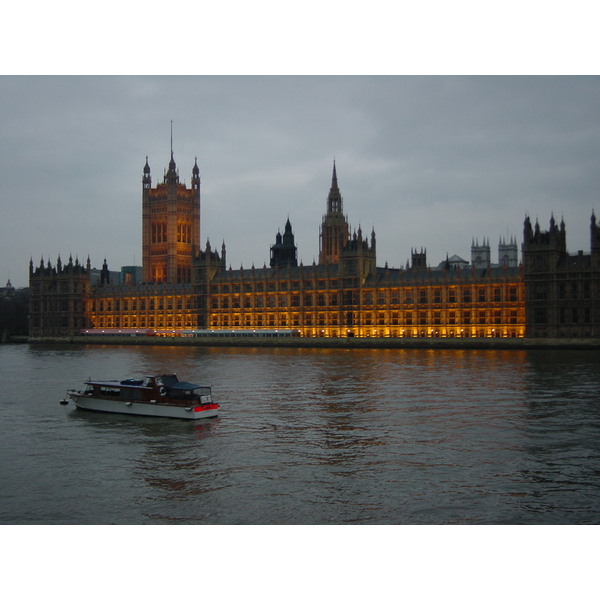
(345, 294)
(562, 290)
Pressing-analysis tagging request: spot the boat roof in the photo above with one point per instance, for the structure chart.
(178, 385)
(184, 385)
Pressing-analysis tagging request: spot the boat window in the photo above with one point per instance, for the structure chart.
(131, 393)
(109, 391)
(202, 391)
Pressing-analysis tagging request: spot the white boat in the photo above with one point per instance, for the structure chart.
(156, 396)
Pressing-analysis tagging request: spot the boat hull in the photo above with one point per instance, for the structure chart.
(147, 409)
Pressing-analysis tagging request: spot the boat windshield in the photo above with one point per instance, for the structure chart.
(202, 391)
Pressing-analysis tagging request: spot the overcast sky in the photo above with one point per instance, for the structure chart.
(429, 161)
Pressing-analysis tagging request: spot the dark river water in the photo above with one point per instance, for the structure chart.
(307, 437)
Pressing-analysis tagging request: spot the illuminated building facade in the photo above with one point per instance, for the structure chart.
(170, 225)
(344, 295)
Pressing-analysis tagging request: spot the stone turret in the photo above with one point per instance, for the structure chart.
(284, 252)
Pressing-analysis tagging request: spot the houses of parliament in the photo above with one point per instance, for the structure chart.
(182, 288)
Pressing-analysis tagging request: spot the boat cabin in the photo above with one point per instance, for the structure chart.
(158, 388)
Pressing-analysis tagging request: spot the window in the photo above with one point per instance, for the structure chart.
(539, 291)
(561, 291)
(586, 290)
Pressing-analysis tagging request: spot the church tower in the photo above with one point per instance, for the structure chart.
(170, 225)
(480, 255)
(508, 252)
(335, 232)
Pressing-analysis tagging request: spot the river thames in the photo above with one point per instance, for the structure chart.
(307, 437)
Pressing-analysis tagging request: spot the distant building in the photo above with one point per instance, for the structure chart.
(131, 275)
(8, 290)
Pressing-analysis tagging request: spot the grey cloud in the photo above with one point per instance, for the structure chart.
(427, 161)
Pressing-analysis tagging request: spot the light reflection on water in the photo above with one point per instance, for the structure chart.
(307, 436)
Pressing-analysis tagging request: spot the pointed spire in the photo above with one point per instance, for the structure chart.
(172, 176)
(334, 200)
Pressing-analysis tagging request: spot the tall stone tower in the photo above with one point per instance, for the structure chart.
(508, 252)
(480, 254)
(170, 225)
(334, 232)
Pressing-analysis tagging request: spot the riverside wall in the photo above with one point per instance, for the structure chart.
(348, 343)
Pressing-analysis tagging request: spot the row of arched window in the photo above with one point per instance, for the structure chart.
(159, 232)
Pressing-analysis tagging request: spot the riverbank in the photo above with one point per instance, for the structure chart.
(305, 342)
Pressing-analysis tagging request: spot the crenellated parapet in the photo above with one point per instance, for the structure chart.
(562, 290)
(58, 297)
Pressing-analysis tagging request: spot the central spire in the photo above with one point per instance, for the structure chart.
(172, 176)
(334, 200)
